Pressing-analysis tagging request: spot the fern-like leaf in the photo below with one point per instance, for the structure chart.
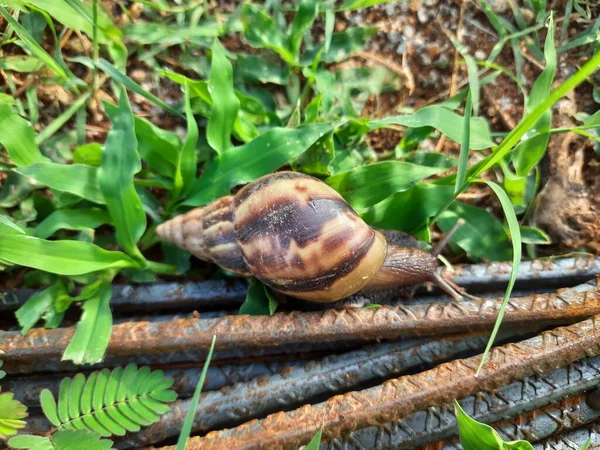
(62, 440)
(11, 413)
(110, 402)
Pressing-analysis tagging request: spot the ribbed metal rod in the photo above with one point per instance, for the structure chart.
(250, 333)
(573, 440)
(529, 403)
(397, 398)
(297, 386)
(210, 294)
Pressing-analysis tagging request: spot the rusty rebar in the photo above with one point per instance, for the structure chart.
(211, 294)
(534, 404)
(250, 334)
(297, 386)
(396, 398)
(573, 440)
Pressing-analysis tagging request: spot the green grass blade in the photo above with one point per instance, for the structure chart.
(91, 337)
(36, 305)
(123, 79)
(60, 257)
(463, 159)
(304, 18)
(76, 179)
(261, 156)
(62, 119)
(315, 441)
(120, 162)
(33, 46)
(187, 162)
(186, 429)
(515, 232)
(225, 104)
(18, 138)
(262, 32)
(446, 121)
(71, 219)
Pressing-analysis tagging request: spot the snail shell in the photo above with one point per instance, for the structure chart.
(289, 230)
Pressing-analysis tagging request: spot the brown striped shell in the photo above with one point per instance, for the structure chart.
(289, 230)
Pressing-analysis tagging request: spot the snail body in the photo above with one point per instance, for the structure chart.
(298, 236)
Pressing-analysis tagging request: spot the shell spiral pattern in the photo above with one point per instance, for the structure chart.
(289, 230)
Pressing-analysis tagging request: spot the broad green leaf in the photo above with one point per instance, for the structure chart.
(529, 152)
(408, 210)
(31, 44)
(91, 337)
(316, 160)
(79, 439)
(481, 236)
(76, 179)
(18, 138)
(7, 226)
(311, 113)
(411, 139)
(157, 147)
(37, 305)
(148, 33)
(71, 219)
(532, 235)
(120, 162)
(20, 63)
(79, 18)
(257, 302)
(225, 104)
(16, 188)
(261, 156)
(186, 428)
(367, 185)
(89, 154)
(306, 12)
(11, 414)
(250, 68)
(430, 159)
(479, 436)
(315, 441)
(31, 443)
(60, 257)
(262, 32)
(444, 120)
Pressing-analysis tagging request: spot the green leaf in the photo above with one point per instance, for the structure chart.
(261, 156)
(18, 138)
(482, 237)
(8, 227)
(349, 5)
(479, 436)
(532, 235)
(463, 160)
(367, 185)
(71, 219)
(76, 179)
(157, 147)
(89, 154)
(316, 160)
(60, 257)
(515, 232)
(225, 104)
(262, 32)
(148, 33)
(315, 441)
(49, 406)
(185, 174)
(529, 152)
(342, 45)
(408, 210)
(31, 443)
(250, 68)
(91, 337)
(35, 48)
(444, 120)
(430, 159)
(20, 63)
(79, 439)
(191, 413)
(120, 162)
(258, 301)
(586, 444)
(36, 306)
(305, 16)
(11, 413)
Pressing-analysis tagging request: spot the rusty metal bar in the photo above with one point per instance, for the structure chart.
(397, 398)
(211, 294)
(532, 403)
(573, 440)
(251, 334)
(27, 389)
(297, 386)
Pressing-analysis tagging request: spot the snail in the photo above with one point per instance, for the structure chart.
(300, 237)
